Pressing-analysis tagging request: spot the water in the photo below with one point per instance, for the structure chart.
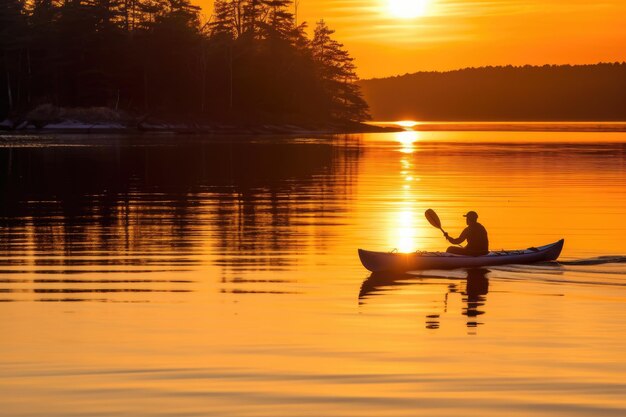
(189, 276)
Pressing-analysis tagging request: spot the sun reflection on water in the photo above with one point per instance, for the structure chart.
(407, 139)
(404, 231)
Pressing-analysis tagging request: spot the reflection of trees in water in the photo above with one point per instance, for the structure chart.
(247, 199)
(276, 201)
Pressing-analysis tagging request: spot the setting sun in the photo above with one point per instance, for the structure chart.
(407, 9)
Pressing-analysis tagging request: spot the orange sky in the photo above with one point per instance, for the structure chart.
(461, 33)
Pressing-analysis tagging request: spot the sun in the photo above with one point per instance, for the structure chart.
(407, 9)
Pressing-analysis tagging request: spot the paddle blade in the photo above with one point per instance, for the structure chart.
(432, 218)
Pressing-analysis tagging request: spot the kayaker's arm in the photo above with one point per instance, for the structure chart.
(458, 240)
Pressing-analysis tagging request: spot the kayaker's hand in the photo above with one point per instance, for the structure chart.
(447, 236)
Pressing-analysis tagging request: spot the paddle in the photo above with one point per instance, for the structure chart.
(433, 219)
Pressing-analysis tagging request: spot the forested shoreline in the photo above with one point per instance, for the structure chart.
(525, 93)
(250, 63)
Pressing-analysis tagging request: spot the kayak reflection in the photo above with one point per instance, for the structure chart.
(473, 288)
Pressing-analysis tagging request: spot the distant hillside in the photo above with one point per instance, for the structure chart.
(528, 93)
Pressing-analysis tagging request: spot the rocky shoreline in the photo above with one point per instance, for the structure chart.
(52, 119)
(71, 126)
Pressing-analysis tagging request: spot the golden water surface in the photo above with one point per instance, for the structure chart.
(191, 276)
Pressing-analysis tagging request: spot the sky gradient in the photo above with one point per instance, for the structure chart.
(459, 33)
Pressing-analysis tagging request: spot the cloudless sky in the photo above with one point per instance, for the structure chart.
(451, 34)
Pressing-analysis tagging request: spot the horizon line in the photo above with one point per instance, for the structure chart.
(492, 67)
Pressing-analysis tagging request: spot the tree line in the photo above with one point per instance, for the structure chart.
(526, 93)
(250, 62)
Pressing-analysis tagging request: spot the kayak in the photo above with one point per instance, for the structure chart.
(402, 262)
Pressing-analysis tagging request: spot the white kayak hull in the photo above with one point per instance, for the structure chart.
(402, 262)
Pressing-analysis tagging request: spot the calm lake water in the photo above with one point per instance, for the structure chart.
(190, 276)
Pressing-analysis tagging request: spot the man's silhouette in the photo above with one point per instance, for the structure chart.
(476, 236)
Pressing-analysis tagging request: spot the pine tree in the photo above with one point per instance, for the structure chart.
(224, 19)
(280, 22)
(338, 75)
(254, 12)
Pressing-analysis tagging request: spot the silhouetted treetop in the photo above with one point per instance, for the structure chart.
(338, 75)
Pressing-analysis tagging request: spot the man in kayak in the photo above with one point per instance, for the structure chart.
(476, 236)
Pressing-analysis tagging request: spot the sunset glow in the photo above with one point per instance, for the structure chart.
(284, 208)
(391, 37)
(407, 9)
